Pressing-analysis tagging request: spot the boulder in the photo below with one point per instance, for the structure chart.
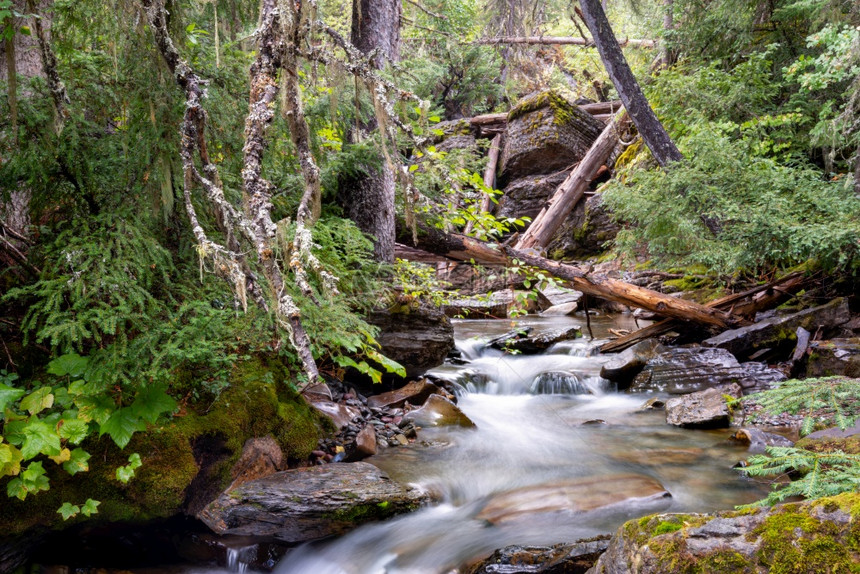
(587, 231)
(419, 338)
(526, 196)
(560, 310)
(780, 332)
(310, 503)
(438, 411)
(554, 295)
(574, 558)
(688, 369)
(546, 132)
(806, 537)
(704, 409)
(414, 393)
(524, 342)
(834, 357)
(260, 457)
(623, 367)
(573, 495)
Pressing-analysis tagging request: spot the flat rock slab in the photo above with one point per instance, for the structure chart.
(417, 338)
(624, 366)
(686, 370)
(414, 393)
(524, 342)
(575, 495)
(310, 503)
(704, 409)
(780, 331)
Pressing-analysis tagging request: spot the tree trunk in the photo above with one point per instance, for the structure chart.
(571, 191)
(369, 199)
(857, 173)
(745, 304)
(650, 128)
(12, 83)
(489, 179)
(463, 248)
(666, 53)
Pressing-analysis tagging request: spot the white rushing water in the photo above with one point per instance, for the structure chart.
(526, 449)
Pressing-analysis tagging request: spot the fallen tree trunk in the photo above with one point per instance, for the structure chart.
(562, 40)
(572, 189)
(744, 304)
(463, 248)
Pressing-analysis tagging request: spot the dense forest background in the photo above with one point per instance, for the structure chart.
(140, 265)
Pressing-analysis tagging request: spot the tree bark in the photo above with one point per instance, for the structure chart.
(49, 65)
(561, 40)
(652, 131)
(857, 173)
(667, 55)
(369, 199)
(12, 85)
(489, 179)
(571, 191)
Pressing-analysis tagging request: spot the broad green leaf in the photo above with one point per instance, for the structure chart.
(68, 510)
(74, 430)
(77, 462)
(15, 489)
(152, 402)
(33, 472)
(64, 455)
(134, 461)
(90, 507)
(38, 400)
(70, 364)
(9, 395)
(39, 438)
(10, 460)
(62, 397)
(97, 409)
(124, 474)
(121, 425)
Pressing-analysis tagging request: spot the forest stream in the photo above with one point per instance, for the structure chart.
(539, 468)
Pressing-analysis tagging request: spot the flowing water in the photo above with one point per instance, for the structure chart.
(545, 424)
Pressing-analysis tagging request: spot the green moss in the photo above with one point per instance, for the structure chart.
(361, 513)
(563, 111)
(848, 445)
(258, 402)
(665, 527)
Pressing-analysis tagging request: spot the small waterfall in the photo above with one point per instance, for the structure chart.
(239, 558)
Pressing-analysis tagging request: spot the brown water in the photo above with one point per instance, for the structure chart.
(528, 441)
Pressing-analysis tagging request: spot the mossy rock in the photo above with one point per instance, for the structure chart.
(809, 537)
(546, 132)
(186, 460)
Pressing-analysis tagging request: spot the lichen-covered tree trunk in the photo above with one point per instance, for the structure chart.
(652, 131)
(369, 199)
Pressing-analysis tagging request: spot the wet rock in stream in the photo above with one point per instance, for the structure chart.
(704, 409)
(573, 558)
(311, 503)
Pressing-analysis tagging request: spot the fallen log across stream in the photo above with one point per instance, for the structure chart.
(463, 248)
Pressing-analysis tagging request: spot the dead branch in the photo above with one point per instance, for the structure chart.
(561, 40)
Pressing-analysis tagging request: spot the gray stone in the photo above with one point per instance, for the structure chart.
(365, 442)
(780, 332)
(553, 295)
(623, 367)
(340, 414)
(561, 310)
(526, 196)
(574, 558)
(310, 503)
(758, 440)
(260, 457)
(495, 305)
(704, 409)
(685, 370)
(524, 342)
(419, 338)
